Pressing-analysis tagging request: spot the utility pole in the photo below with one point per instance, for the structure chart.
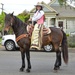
(2, 7)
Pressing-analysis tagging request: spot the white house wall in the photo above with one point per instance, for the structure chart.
(70, 25)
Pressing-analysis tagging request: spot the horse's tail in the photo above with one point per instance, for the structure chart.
(64, 48)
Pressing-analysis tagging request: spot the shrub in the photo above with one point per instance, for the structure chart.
(67, 35)
(71, 41)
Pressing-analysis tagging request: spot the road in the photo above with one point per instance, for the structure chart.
(42, 63)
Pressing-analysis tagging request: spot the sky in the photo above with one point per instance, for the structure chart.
(19, 6)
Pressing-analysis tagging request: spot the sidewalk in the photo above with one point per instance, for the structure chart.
(71, 50)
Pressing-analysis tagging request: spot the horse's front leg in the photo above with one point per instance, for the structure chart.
(58, 60)
(28, 60)
(23, 61)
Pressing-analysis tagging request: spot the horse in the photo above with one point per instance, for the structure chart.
(57, 37)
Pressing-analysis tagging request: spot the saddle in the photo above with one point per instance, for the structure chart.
(30, 29)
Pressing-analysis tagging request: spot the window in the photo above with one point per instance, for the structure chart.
(60, 24)
(52, 22)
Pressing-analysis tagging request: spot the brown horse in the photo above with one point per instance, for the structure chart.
(57, 37)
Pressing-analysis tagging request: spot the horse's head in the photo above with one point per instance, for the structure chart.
(9, 20)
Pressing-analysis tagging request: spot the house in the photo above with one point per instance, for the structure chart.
(58, 16)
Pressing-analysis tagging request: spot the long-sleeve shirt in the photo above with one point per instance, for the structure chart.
(37, 15)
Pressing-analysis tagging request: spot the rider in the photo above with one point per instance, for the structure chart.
(36, 40)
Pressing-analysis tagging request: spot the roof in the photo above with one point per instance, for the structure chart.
(62, 10)
(65, 12)
(52, 2)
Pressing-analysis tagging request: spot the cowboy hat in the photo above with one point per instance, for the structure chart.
(39, 4)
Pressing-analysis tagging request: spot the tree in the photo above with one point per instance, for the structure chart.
(24, 16)
(2, 15)
(62, 2)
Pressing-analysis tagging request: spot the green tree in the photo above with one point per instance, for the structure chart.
(62, 2)
(24, 16)
(2, 15)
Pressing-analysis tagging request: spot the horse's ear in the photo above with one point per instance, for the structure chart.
(12, 13)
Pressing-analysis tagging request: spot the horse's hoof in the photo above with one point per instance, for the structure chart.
(56, 68)
(21, 69)
(55, 71)
(28, 70)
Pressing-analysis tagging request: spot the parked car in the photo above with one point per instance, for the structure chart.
(10, 43)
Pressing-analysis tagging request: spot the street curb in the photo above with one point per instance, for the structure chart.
(71, 48)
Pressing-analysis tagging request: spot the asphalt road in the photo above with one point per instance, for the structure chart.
(42, 63)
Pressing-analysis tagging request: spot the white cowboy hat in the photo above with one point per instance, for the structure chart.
(39, 4)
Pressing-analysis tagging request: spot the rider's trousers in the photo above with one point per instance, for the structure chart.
(36, 39)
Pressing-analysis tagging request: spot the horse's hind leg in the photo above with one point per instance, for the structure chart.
(58, 60)
(28, 60)
(23, 61)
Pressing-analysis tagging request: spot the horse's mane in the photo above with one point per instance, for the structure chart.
(20, 22)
